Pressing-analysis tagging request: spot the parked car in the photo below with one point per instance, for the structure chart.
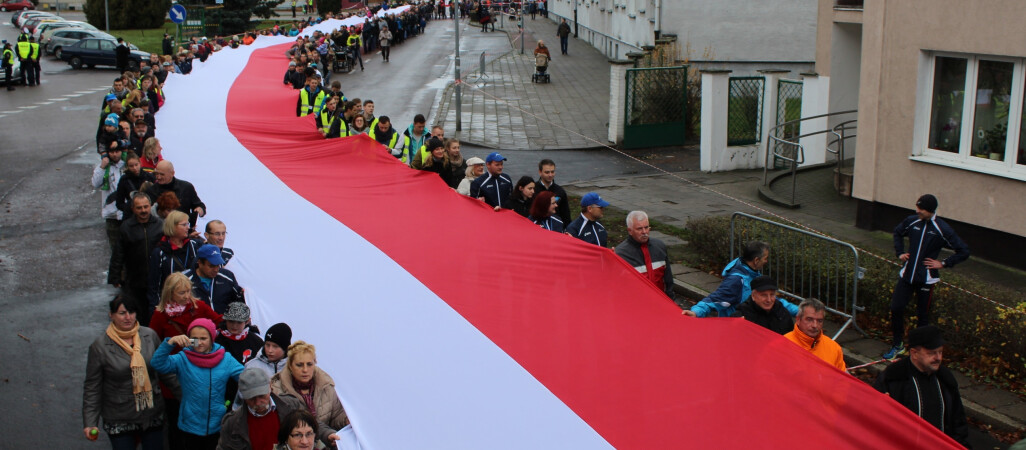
(25, 16)
(51, 28)
(35, 22)
(16, 75)
(98, 52)
(68, 36)
(16, 5)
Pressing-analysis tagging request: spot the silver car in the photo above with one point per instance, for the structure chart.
(67, 36)
(43, 27)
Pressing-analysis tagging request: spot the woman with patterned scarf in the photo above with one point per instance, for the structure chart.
(305, 381)
(121, 385)
(203, 370)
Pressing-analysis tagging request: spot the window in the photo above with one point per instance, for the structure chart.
(106, 45)
(90, 44)
(973, 115)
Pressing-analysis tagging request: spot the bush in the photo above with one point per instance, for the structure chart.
(985, 341)
(126, 15)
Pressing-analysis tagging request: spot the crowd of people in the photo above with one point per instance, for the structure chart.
(181, 360)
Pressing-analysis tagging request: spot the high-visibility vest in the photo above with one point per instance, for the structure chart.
(35, 50)
(328, 118)
(8, 57)
(404, 156)
(309, 107)
(24, 50)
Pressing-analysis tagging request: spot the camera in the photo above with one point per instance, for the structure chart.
(192, 342)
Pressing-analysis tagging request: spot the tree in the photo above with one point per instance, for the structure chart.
(236, 14)
(126, 14)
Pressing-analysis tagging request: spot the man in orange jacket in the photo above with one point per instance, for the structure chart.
(808, 333)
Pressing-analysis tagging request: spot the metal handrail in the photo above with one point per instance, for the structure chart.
(774, 140)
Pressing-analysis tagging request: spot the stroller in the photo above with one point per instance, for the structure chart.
(541, 63)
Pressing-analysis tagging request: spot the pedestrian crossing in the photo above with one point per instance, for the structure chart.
(51, 101)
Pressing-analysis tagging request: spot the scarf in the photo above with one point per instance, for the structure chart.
(235, 337)
(307, 398)
(141, 388)
(174, 309)
(205, 360)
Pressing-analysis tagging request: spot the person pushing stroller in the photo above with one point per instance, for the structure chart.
(541, 63)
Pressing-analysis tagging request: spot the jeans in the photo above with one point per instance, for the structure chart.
(152, 439)
(563, 40)
(385, 52)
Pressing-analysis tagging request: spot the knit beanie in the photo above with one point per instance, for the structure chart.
(927, 203)
(205, 323)
(280, 334)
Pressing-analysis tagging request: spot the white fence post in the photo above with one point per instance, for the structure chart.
(617, 97)
(715, 85)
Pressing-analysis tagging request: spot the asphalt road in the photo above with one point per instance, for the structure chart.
(53, 250)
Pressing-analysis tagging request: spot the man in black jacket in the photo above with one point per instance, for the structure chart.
(765, 309)
(646, 254)
(211, 283)
(139, 235)
(547, 182)
(926, 234)
(121, 55)
(922, 385)
(186, 193)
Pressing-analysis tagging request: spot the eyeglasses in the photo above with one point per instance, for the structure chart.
(307, 435)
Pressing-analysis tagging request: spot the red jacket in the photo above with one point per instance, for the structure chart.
(166, 326)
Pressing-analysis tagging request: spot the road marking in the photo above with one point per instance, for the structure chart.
(43, 103)
(83, 92)
(73, 95)
(29, 107)
(2, 116)
(16, 111)
(58, 99)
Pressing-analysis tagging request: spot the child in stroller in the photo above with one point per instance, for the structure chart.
(541, 63)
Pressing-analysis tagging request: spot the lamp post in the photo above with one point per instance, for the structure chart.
(575, 19)
(459, 89)
(106, 15)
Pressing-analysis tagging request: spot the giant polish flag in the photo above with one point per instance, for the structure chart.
(447, 325)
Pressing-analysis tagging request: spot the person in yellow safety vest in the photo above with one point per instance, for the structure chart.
(355, 43)
(387, 136)
(329, 118)
(7, 62)
(437, 132)
(34, 54)
(25, 55)
(311, 98)
(418, 134)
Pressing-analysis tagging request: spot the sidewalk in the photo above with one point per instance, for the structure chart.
(504, 109)
(670, 199)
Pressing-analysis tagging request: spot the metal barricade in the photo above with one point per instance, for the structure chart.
(805, 264)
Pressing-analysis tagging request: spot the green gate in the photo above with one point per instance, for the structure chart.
(789, 108)
(655, 108)
(200, 21)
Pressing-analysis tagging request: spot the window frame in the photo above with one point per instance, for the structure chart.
(964, 159)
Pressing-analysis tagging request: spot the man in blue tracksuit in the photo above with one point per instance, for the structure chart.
(586, 227)
(736, 286)
(926, 234)
(494, 187)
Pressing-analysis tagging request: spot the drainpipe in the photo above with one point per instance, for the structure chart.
(658, 18)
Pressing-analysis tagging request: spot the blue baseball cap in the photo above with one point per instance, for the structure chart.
(494, 156)
(211, 253)
(112, 120)
(593, 199)
(110, 97)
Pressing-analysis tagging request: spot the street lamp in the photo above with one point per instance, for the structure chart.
(575, 18)
(106, 20)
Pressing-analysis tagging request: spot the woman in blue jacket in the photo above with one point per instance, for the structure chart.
(203, 372)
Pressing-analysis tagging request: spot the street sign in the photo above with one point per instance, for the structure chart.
(177, 13)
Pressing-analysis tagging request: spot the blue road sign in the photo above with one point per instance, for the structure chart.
(177, 13)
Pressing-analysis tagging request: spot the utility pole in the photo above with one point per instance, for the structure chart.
(459, 89)
(106, 15)
(575, 19)
(522, 30)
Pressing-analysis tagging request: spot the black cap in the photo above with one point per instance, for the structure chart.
(928, 337)
(927, 203)
(281, 334)
(764, 283)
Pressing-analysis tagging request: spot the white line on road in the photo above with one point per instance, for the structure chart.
(43, 103)
(29, 107)
(73, 95)
(2, 116)
(83, 92)
(16, 111)
(58, 99)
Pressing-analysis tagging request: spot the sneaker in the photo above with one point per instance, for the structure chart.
(895, 352)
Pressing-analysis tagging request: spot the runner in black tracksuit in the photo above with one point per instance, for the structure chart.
(926, 234)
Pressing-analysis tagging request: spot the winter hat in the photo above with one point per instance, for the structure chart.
(434, 143)
(237, 312)
(280, 334)
(254, 382)
(205, 323)
(927, 203)
(111, 120)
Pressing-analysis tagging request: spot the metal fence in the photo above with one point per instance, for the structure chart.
(744, 110)
(655, 107)
(805, 265)
(789, 110)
